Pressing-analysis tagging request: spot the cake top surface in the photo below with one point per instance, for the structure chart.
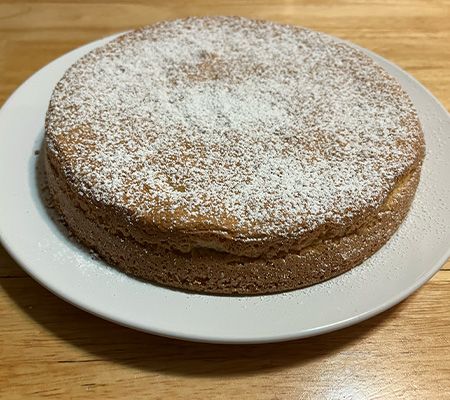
(231, 125)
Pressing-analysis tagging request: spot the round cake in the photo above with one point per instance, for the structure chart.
(231, 156)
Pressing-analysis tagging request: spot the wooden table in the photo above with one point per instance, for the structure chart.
(49, 348)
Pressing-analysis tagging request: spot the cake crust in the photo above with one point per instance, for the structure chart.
(226, 155)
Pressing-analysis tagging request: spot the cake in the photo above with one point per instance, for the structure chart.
(231, 156)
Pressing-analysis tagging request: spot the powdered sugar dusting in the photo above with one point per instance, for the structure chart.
(233, 125)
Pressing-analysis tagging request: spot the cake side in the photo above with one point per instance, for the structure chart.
(209, 271)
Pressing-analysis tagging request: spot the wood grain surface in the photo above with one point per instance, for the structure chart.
(51, 349)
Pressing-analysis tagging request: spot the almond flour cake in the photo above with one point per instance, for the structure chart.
(231, 156)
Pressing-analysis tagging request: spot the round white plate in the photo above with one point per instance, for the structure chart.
(411, 257)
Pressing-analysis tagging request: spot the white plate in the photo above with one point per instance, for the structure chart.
(412, 256)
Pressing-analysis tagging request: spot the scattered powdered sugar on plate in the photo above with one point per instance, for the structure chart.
(239, 125)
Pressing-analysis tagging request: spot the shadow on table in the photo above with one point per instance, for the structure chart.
(103, 340)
